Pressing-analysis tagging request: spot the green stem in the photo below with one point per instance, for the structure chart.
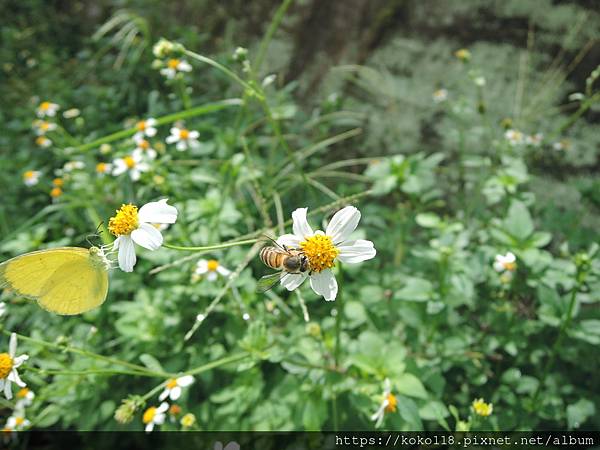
(170, 118)
(273, 26)
(338, 341)
(185, 98)
(211, 247)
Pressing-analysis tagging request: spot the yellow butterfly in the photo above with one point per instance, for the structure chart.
(64, 280)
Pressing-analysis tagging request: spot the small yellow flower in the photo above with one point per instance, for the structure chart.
(482, 408)
(188, 420)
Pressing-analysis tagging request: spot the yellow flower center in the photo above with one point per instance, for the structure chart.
(212, 265)
(172, 383)
(56, 192)
(19, 421)
(173, 63)
(149, 414)
(101, 167)
(58, 182)
(44, 106)
(184, 134)
(41, 140)
(141, 125)
(320, 251)
(482, 408)
(129, 162)
(23, 392)
(29, 175)
(392, 403)
(125, 221)
(6, 365)
(44, 126)
(144, 144)
(511, 266)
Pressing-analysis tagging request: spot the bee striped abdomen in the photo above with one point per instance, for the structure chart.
(272, 257)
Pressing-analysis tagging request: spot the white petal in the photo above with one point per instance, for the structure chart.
(498, 266)
(193, 135)
(301, 227)
(356, 251)
(510, 258)
(147, 236)
(127, 257)
(12, 345)
(212, 276)
(325, 284)
(223, 271)
(181, 146)
(7, 390)
(14, 377)
(158, 212)
(149, 427)
(291, 281)
(159, 419)
(202, 267)
(289, 240)
(19, 360)
(342, 224)
(171, 139)
(185, 380)
(164, 394)
(150, 122)
(175, 393)
(135, 174)
(162, 408)
(150, 132)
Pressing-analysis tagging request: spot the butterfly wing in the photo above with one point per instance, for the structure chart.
(62, 280)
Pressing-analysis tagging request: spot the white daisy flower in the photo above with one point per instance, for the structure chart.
(47, 109)
(514, 137)
(17, 422)
(184, 138)
(41, 127)
(133, 226)
(8, 367)
(143, 148)
(43, 141)
(175, 66)
(173, 387)
(323, 248)
(388, 404)
(211, 267)
(145, 128)
(31, 177)
(24, 398)
(506, 262)
(440, 95)
(133, 165)
(155, 416)
(103, 168)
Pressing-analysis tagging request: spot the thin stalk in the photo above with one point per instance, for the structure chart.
(273, 26)
(211, 247)
(221, 68)
(338, 340)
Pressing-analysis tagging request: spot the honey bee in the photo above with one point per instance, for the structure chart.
(283, 259)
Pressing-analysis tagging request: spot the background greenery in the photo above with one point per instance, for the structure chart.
(441, 191)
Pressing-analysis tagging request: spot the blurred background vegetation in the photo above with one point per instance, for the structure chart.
(449, 191)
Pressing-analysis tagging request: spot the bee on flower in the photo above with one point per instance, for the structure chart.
(131, 226)
(155, 415)
(440, 95)
(211, 268)
(174, 67)
(173, 387)
(132, 165)
(505, 265)
(389, 404)
(143, 148)
(24, 397)
(31, 177)
(323, 249)
(482, 408)
(103, 168)
(9, 363)
(47, 109)
(514, 137)
(184, 138)
(43, 141)
(17, 422)
(145, 128)
(41, 127)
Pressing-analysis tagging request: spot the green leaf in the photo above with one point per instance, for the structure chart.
(518, 222)
(428, 220)
(415, 290)
(409, 385)
(151, 362)
(578, 413)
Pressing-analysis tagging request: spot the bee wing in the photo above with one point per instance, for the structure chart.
(276, 244)
(268, 281)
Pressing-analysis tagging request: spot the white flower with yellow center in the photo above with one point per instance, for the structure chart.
(31, 177)
(24, 398)
(8, 367)
(174, 67)
(70, 166)
(41, 127)
(323, 249)
(132, 164)
(145, 128)
(440, 95)
(155, 415)
(103, 168)
(17, 422)
(389, 404)
(143, 148)
(184, 138)
(47, 109)
(43, 141)
(506, 262)
(133, 226)
(173, 387)
(212, 268)
(514, 137)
